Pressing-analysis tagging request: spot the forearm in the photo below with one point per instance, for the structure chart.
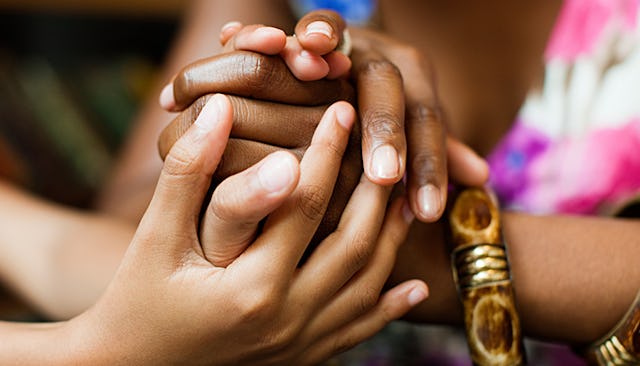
(34, 344)
(58, 259)
(574, 277)
(130, 187)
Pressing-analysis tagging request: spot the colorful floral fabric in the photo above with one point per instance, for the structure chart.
(575, 146)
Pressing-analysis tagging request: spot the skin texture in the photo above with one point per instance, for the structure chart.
(384, 145)
(250, 75)
(561, 280)
(152, 312)
(572, 314)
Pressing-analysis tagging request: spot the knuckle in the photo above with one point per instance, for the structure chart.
(426, 164)
(181, 161)
(358, 251)
(388, 312)
(383, 123)
(241, 111)
(258, 71)
(282, 340)
(379, 68)
(334, 147)
(311, 202)
(225, 207)
(423, 114)
(255, 306)
(368, 297)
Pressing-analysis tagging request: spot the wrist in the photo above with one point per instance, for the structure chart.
(96, 341)
(36, 344)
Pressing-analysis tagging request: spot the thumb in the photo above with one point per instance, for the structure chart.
(187, 171)
(241, 201)
(320, 31)
(465, 165)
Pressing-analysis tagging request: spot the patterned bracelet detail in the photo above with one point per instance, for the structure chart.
(481, 272)
(622, 345)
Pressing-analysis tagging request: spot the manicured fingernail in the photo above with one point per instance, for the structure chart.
(345, 116)
(429, 201)
(167, 100)
(407, 214)
(268, 32)
(210, 114)
(319, 27)
(416, 296)
(277, 173)
(385, 162)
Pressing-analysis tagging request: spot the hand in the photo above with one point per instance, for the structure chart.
(310, 55)
(380, 63)
(406, 120)
(268, 78)
(253, 137)
(170, 303)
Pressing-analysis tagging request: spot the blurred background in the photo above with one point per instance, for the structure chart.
(72, 75)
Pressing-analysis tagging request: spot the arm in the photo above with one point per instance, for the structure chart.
(380, 63)
(35, 344)
(574, 277)
(49, 261)
(58, 259)
(131, 185)
(170, 304)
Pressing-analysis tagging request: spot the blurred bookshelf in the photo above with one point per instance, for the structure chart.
(72, 76)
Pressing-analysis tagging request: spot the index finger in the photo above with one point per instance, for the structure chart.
(252, 75)
(299, 217)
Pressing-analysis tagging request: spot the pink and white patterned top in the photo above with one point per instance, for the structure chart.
(575, 145)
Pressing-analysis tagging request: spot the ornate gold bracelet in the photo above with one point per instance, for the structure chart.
(481, 271)
(622, 345)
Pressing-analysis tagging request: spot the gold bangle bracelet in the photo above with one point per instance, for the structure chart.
(621, 346)
(483, 279)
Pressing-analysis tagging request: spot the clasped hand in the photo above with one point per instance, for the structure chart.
(176, 300)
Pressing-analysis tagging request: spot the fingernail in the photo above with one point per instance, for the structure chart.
(268, 32)
(345, 115)
(210, 114)
(276, 173)
(407, 214)
(385, 162)
(319, 27)
(416, 296)
(429, 201)
(306, 54)
(167, 100)
(230, 25)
